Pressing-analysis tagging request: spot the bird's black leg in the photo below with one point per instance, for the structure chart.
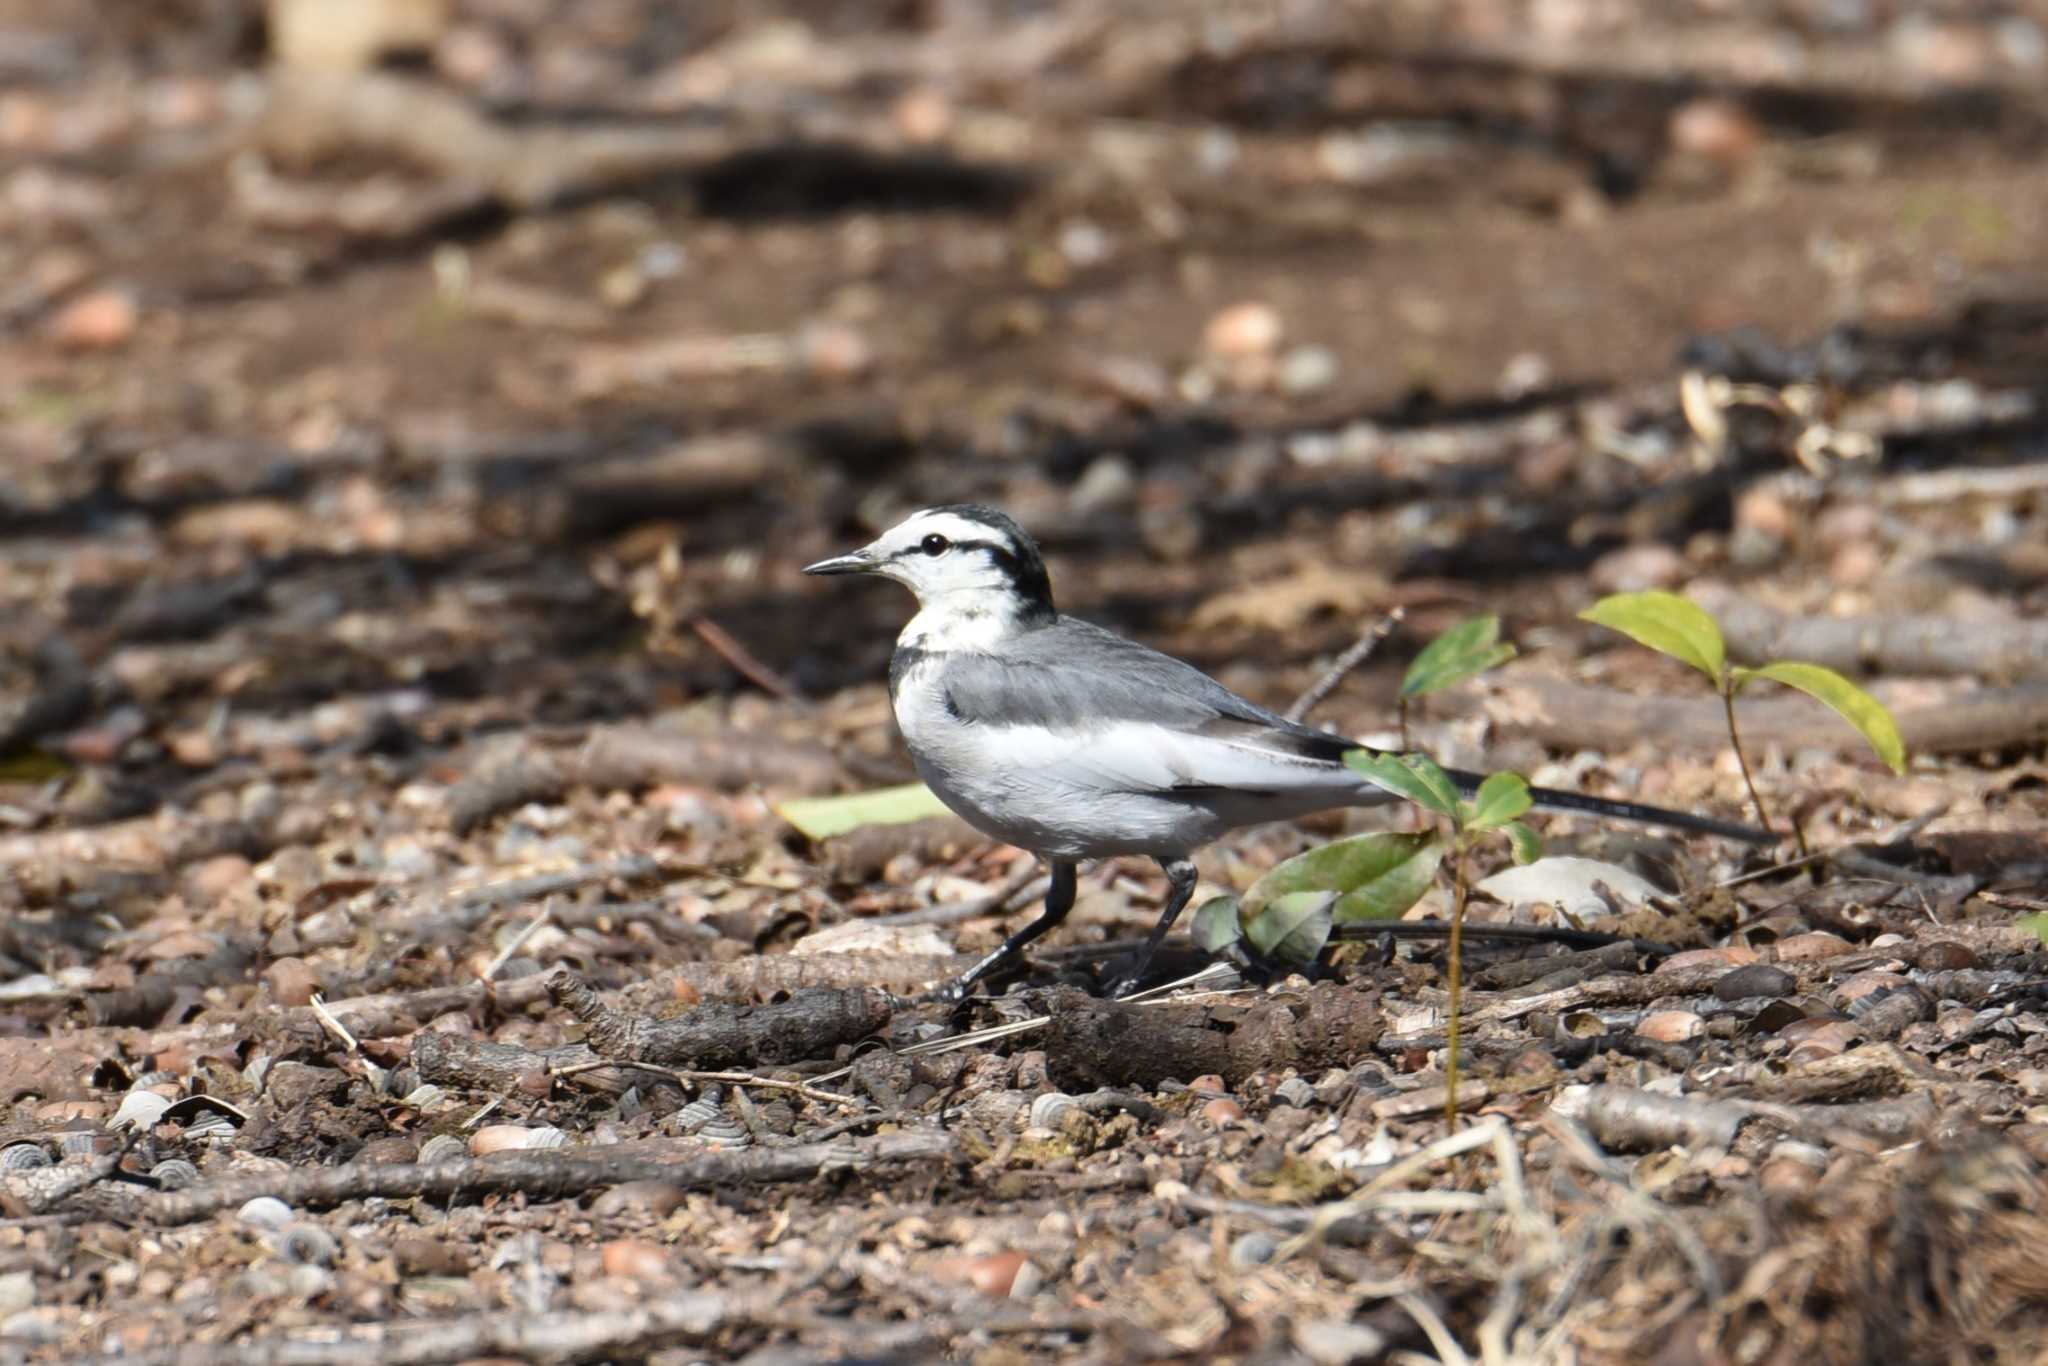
(1180, 886)
(1059, 899)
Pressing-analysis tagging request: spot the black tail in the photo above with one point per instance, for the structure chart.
(1550, 799)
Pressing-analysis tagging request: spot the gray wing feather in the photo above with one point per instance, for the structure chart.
(1074, 677)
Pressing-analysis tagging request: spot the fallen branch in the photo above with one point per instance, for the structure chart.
(1624, 1118)
(1092, 1043)
(861, 855)
(389, 1014)
(2010, 651)
(1573, 716)
(618, 1333)
(546, 1174)
(468, 909)
(633, 756)
(810, 1024)
(763, 975)
(743, 660)
(446, 1059)
(1359, 651)
(315, 114)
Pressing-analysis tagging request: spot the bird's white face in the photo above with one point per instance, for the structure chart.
(974, 571)
(933, 554)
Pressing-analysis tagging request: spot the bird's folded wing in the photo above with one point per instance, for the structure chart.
(1130, 718)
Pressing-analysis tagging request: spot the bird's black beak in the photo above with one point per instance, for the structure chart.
(853, 562)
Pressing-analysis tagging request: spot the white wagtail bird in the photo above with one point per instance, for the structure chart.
(1059, 737)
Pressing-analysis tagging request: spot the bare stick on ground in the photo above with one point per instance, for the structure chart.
(809, 1025)
(551, 1174)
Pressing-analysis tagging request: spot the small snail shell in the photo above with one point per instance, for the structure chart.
(24, 1156)
(265, 1211)
(305, 1245)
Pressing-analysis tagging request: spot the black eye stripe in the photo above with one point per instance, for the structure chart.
(1001, 552)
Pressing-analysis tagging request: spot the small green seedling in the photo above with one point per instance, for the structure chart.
(1471, 647)
(1499, 804)
(1682, 629)
(1287, 916)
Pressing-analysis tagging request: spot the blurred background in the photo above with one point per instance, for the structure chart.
(436, 358)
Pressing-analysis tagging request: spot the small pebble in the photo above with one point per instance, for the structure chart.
(1306, 370)
(1758, 979)
(1339, 1342)
(96, 321)
(1295, 1091)
(211, 879)
(632, 1259)
(1811, 946)
(1672, 1026)
(835, 350)
(1243, 331)
(1735, 955)
(1716, 130)
(1638, 569)
(1108, 484)
(1854, 566)
(1792, 1168)
(291, 982)
(1830, 1040)
(657, 1198)
(500, 1138)
(1944, 955)
(1845, 524)
(471, 54)
(1223, 1112)
(922, 115)
(1853, 989)
(393, 1149)
(994, 1274)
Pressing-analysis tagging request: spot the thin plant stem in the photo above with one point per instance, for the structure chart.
(1735, 738)
(1457, 982)
(1401, 711)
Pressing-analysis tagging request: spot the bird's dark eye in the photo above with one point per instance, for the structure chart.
(935, 544)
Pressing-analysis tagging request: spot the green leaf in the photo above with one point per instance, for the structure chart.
(1850, 702)
(1472, 646)
(1216, 926)
(1414, 776)
(1376, 876)
(820, 818)
(2037, 925)
(1527, 844)
(34, 765)
(1500, 799)
(1292, 928)
(1667, 624)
